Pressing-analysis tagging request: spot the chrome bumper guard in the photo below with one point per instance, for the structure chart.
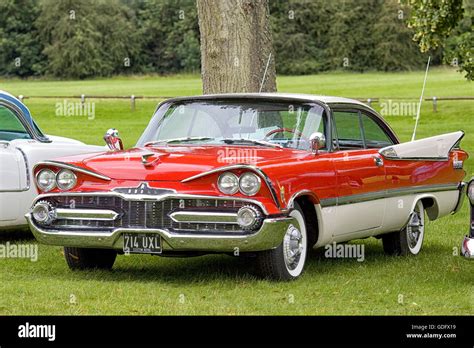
(269, 236)
(467, 248)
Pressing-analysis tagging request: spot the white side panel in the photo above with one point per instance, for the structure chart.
(357, 217)
(436, 147)
(19, 203)
(330, 222)
(326, 219)
(398, 210)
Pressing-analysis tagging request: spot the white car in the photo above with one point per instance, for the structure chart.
(22, 146)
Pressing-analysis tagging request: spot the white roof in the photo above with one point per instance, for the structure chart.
(296, 96)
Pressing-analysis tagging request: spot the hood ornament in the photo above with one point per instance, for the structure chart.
(148, 163)
(145, 159)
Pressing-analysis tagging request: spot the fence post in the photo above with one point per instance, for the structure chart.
(132, 102)
(21, 97)
(83, 99)
(369, 101)
(435, 104)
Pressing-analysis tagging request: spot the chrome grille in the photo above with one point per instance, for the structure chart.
(146, 213)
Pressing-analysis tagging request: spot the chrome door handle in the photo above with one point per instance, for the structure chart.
(378, 161)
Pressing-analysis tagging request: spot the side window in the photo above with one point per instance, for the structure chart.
(375, 136)
(348, 129)
(10, 126)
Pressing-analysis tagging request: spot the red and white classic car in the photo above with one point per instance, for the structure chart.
(263, 175)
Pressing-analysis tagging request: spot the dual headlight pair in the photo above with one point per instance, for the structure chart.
(48, 180)
(248, 183)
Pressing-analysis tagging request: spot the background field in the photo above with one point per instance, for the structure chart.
(436, 282)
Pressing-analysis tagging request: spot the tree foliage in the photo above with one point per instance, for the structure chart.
(88, 38)
(440, 23)
(20, 49)
(317, 35)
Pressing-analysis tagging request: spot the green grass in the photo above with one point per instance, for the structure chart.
(435, 282)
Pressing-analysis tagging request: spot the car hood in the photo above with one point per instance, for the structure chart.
(176, 163)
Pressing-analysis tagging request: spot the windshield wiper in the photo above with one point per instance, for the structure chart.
(177, 140)
(251, 141)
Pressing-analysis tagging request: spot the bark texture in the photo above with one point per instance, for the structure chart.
(235, 45)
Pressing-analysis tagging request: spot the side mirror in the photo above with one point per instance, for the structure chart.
(113, 140)
(318, 142)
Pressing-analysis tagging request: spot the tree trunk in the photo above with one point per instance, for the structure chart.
(235, 46)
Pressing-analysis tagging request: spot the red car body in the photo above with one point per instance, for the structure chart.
(344, 193)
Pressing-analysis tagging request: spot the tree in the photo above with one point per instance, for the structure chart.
(87, 38)
(236, 43)
(170, 35)
(20, 49)
(435, 21)
(394, 49)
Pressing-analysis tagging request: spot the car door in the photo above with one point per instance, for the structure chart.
(13, 165)
(360, 171)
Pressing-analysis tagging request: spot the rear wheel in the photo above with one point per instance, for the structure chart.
(287, 261)
(409, 240)
(82, 258)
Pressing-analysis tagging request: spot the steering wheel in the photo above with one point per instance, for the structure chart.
(289, 130)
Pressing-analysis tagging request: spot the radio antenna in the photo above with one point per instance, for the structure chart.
(421, 99)
(265, 73)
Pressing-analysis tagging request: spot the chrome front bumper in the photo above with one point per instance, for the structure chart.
(269, 236)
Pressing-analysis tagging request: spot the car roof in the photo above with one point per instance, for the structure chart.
(283, 96)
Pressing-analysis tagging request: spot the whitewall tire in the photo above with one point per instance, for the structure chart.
(288, 260)
(409, 240)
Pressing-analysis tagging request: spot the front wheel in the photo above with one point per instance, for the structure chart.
(82, 258)
(287, 261)
(409, 240)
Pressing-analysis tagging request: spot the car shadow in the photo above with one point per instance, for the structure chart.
(238, 269)
(15, 235)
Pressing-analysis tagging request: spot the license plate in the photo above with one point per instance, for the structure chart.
(146, 243)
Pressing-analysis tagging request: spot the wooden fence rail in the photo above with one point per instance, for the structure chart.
(133, 98)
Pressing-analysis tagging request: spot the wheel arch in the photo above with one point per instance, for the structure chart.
(430, 204)
(307, 202)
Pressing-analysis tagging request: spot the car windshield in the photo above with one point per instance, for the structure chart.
(235, 122)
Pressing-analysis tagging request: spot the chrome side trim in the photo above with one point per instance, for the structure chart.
(144, 197)
(239, 166)
(462, 195)
(370, 196)
(201, 217)
(27, 169)
(269, 236)
(73, 167)
(86, 214)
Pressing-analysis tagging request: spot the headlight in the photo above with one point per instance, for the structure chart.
(46, 180)
(66, 179)
(470, 191)
(249, 184)
(228, 183)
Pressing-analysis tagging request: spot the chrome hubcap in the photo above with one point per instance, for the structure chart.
(414, 229)
(292, 247)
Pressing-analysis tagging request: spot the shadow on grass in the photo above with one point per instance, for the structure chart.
(15, 235)
(226, 268)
